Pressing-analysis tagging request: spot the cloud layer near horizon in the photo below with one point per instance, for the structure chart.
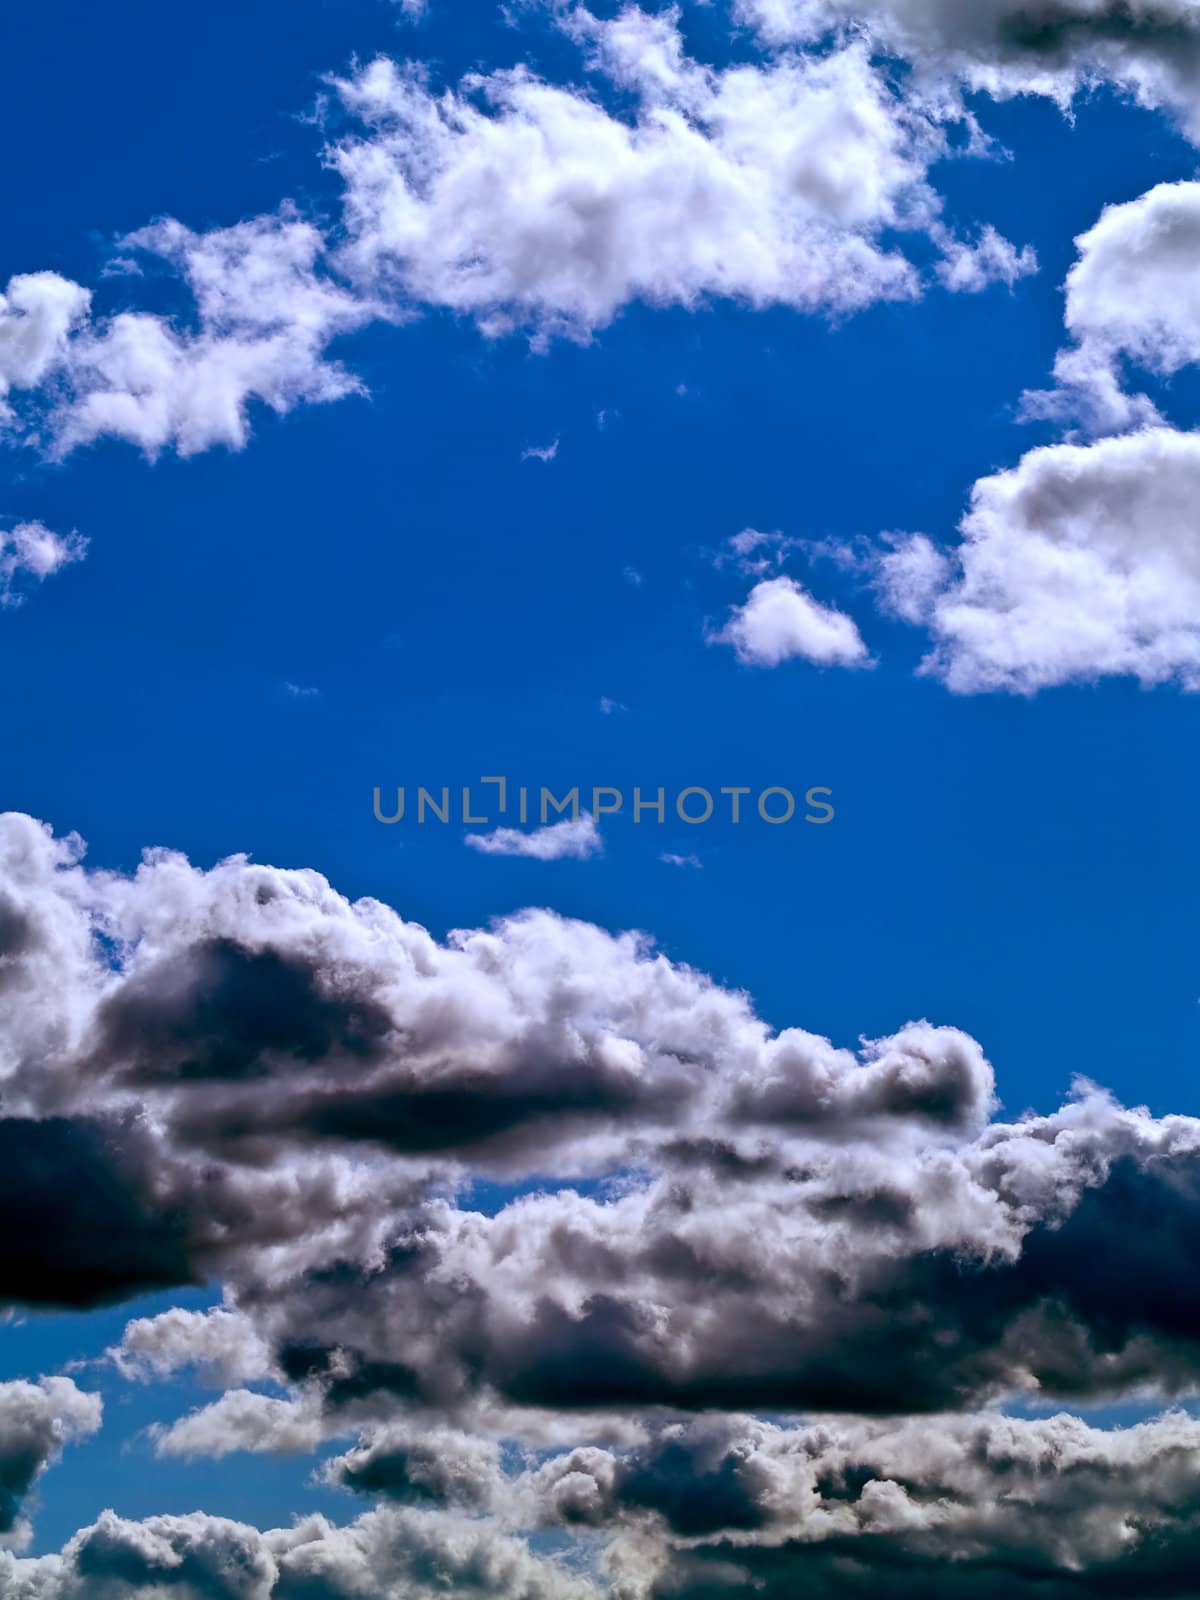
(256, 1080)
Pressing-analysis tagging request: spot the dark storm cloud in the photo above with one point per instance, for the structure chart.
(1061, 29)
(952, 1506)
(423, 1467)
(240, 1075)
(828, 1291)
(216, 1011)
(78, 1225)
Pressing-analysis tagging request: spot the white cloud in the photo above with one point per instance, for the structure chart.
(681, 861)
(968, 269)
(243, 1419)
(1081, 562)
(523, 205)
(575, 839)
(526, 204)
(1133, 295)
(542, 452)
(264, 316)
(221, 1344)
(37, 315)
(31, 552)
(781, 621)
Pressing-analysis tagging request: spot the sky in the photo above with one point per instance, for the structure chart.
(791, 395)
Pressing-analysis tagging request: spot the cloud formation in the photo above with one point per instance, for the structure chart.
(525, 205)
(576, 839)
(258, 1080)
(780, 621)
(1131, 300)
(1081, 562)
(1149, 49)
(697, 1219)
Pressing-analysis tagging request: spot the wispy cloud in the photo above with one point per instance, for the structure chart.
(540, 452)
(574, 840)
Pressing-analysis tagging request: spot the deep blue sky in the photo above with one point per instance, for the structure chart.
(1024, 869)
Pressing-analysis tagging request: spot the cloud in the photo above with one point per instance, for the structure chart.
(953, 1506)
(781, 621)
(242, 1420)
(793, 180)
(1131, 297)
(255, 1081)
(1081, 562)
(221, 1345)
(36, 1421)
(681, 861)
(969, 269)
(264, 316)
(540, 452)
(573, 840)
(422, 1555)
(258, 1081)
(409, 1464)
(1150, 49)
(38, 313)
(30, 551)
(527, 205)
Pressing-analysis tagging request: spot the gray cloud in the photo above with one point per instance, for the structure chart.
(255, 1080)
(1150, 49)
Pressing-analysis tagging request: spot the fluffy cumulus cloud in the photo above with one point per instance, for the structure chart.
(696, 1222)
(780, 621)
(263, 314)
(1150, 49)
(197, 1557)
(524, 203)
(546, 207)
(219, 1346)
(1081, 562)
(1132, 301)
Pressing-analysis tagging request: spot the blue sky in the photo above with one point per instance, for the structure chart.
(387, 590)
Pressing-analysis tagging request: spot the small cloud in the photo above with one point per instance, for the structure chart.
(681, 389)
(606, 418)
(608, 706)
(781, 621)
(571, 840)
(633, 577)
(31, 552)
(682, 861)
(121, 267)
(968, 269)
(300, 691)
(540, 452)
(755, 553)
